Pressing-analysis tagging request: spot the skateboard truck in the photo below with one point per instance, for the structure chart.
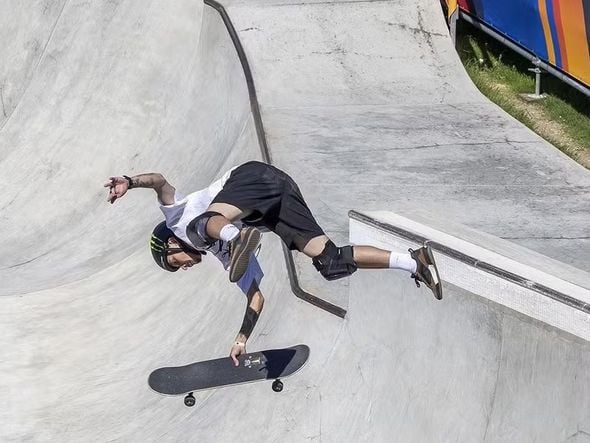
(190, 401)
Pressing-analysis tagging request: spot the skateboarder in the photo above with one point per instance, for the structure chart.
(226, 219)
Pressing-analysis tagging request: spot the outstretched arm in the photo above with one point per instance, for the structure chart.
(253, 310)
(118, 186)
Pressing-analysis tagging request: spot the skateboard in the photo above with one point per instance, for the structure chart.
(254, 366)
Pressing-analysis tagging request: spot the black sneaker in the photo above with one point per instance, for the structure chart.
(425, 260)
(240, 250)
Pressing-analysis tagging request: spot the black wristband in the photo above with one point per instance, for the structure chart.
(250, 320)
(129, 181)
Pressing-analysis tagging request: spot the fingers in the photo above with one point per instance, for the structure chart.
(234, 356)
(112, 195)
(115, 191)
(111, 184)
(236, 351)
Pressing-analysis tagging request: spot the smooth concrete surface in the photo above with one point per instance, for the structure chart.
(367, 106)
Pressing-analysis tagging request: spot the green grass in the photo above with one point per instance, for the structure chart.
(502, 75)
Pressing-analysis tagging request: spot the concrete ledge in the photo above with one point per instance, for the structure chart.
(508, 274)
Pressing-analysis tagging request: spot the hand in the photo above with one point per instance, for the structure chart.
(237, 349)
(118, 186)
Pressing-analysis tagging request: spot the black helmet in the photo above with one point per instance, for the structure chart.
(159, 246)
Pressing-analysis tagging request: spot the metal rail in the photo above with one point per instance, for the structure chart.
(254, 106)
(472, 261)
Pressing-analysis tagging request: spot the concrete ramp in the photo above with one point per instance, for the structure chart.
(366, 105)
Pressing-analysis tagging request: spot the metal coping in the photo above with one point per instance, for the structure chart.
(261, 134)
(472, 261)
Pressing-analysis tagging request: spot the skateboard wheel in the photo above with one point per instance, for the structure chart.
(277, 386)
(189, 400)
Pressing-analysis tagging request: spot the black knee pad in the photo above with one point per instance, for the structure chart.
(196, 231)
(334, 262)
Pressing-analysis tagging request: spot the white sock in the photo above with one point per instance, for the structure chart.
(402, 261)
(229, 232)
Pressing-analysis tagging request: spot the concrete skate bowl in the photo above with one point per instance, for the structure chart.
(91, 90)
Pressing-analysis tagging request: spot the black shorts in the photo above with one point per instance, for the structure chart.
(275, 201)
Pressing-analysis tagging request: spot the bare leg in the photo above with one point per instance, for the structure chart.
(315, 246)
(364, 256)
(367, 257)
(371, 257)
(229, 214)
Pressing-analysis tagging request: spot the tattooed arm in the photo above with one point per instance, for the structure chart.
(253, 310)
(118, 186)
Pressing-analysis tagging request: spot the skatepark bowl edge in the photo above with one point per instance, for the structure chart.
(367, 106)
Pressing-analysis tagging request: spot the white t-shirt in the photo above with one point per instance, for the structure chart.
(185, 209)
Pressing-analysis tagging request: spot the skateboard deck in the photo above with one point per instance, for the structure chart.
(209, 374)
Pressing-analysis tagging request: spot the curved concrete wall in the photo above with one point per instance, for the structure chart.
(118, 90)
(362, 103)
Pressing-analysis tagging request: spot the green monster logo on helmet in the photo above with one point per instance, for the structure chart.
(159, 246)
